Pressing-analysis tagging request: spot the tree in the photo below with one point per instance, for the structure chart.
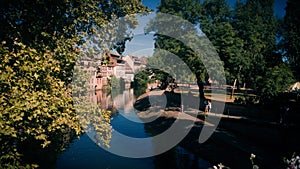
(141, 79)
(168, 67)
(117, 83)
(256, 25)
(292, 35)
(188, 10)
(264, 70)
(39, 45)
(276, 80)
(216, 22)
(245, 39)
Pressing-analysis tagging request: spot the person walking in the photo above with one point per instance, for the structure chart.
(208, 106)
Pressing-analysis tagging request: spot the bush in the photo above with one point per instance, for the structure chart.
(245, 100)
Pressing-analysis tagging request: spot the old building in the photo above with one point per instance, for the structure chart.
(113, 64)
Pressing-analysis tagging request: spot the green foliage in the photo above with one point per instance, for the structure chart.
(291, 36)
(117, 83)
(188, 38)
(276, 80)
(258, 35)
(141, 80)
(94, 119)
(39, 45)
(89, 115)
(40, 41)
(245, 40)
(11, 159)
(166, 67)
(245, 100)
(216, 22)
(34, 102)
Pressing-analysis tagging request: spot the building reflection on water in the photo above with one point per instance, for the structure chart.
(122, 102)
(114, 100)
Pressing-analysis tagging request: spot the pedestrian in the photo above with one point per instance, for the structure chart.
(208, 106)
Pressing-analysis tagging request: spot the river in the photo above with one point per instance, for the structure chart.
(85, 153)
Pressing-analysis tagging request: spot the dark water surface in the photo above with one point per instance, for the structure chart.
(231, 144)
(84, 153)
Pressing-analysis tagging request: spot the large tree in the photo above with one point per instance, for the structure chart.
(216, 22)
(264, 70)
(292, 36)
(245, 39)
(184, 47)
(256, 25)
(39, 45)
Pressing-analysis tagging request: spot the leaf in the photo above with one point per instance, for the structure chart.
(36, 76)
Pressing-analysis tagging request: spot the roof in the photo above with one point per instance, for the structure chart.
(128, 69)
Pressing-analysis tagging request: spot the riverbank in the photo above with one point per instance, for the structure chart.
(244, 131)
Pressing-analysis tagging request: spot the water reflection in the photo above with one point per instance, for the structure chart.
(84, 153)
(114, 100)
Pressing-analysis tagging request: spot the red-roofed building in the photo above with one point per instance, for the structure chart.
(121, 67)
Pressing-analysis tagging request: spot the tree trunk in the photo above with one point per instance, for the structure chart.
(201, 88)
(201, 93)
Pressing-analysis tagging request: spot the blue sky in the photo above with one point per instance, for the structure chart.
(143, 45)
(278, 7)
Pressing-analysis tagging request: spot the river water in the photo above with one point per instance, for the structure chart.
(85, 153)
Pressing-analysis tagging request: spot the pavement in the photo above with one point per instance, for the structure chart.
(238, 136)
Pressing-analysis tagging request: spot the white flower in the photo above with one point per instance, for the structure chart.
(221, 165)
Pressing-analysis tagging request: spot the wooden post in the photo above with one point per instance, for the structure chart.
(232, 92)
